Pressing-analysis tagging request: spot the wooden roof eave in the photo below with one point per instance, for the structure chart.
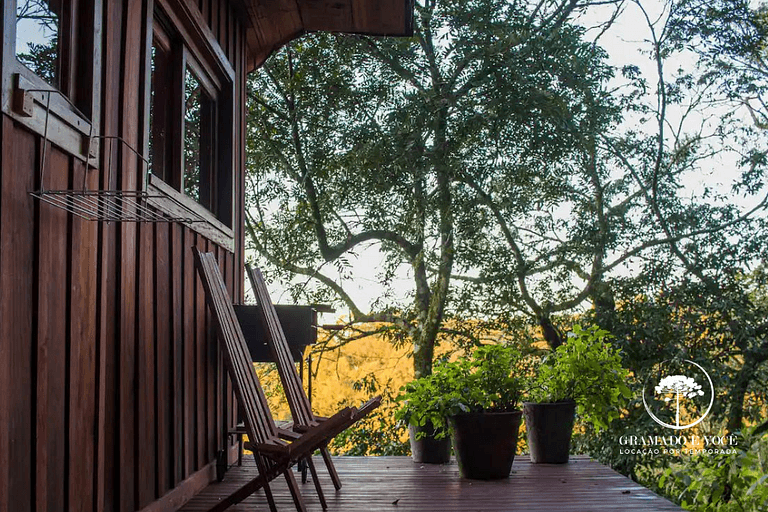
(270, 24)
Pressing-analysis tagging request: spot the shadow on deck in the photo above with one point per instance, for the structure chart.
(396, 484)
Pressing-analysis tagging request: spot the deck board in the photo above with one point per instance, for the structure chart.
(396, 484)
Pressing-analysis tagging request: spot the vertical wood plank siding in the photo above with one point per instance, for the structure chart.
(113, 388)
(17, 305)
(164, 399)
(83, 371)
(51, 351)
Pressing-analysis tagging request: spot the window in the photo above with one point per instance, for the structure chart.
(190, 116)
(161, 110)
(198, 135)
(37, 38)
(49, 46)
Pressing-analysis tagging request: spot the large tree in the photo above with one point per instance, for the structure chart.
(723, 86)
(697, 295)
(628, 207)
(356, 142)
(499, 158)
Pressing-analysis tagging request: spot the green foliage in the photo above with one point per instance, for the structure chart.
(492, 378)
(376, 434)
(37, 32)
(414, 149)
(719, 323)
(585, 369)
(723, 330)
(734, 482)
(729, 39)
(43, 60)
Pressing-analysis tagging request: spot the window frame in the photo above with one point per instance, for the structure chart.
(199, 50)
(209, 122)
(73, 109)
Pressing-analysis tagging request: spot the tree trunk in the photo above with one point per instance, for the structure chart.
(552, 334)
(740, 388)
(604, 304)
(423, 354)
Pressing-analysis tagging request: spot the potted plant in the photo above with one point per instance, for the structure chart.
(476, 400)
(582, 375)
(423, 410)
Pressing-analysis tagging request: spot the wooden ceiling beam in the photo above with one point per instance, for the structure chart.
(380, 17)
(273, 23)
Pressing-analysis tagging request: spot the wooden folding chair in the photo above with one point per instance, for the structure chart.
(301, 409)
(274, 456)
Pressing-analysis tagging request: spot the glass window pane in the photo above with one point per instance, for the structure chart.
(159, 104)
(193, 111)
(153, 86)
(37, 37)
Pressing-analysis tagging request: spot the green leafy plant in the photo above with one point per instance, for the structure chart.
(722, 482)
(376, 434)
(585, 369)
(491, 379)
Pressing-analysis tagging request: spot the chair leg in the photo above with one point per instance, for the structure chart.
(293, 486)
(262, 467)
(239, 449)
(240, 494)
(270, 498)
(302, 468)
(316, 480)
(331, 468)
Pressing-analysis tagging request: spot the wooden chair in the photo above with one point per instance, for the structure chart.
(274, 456)
(301, 409)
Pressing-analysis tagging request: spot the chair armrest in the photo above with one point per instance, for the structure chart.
(276, 450)
(367, 407)
(320, 434)
(290, 435)
(303, 428)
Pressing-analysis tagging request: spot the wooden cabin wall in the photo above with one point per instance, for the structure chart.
(113, 392)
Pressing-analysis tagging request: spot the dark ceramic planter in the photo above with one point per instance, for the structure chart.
(485, 443)
(429, 450)
(549, 427)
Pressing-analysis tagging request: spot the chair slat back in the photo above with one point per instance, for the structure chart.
(259, 423)
(301, 409)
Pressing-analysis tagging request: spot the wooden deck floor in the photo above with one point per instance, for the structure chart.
(396, 484)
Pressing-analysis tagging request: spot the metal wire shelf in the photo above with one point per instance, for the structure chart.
(115, 205)
(109, 205)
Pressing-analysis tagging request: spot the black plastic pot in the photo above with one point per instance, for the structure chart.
(429, 450)
(485, 443)
(549, 427)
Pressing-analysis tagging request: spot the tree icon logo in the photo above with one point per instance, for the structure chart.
(674, 398)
